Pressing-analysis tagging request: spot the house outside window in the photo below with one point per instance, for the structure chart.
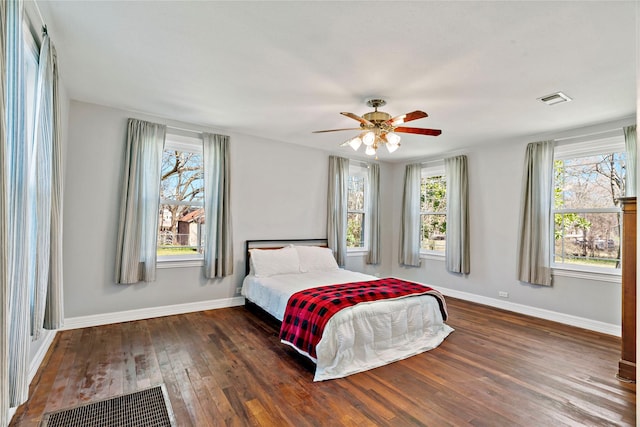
(589, 177)
(433, 210)
(181, 214)
(357, 205)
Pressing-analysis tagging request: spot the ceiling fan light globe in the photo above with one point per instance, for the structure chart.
(392, 138)
(355, 143)
(368, 138)
(392, 147)
(370, 151)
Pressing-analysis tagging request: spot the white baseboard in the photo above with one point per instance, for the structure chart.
(47, 340)
(567, 319)
(38, 358)
(148, 313)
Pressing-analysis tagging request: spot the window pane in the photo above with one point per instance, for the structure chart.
(182, 178)
(355, 200)
(355, 227)
(181, 230)
(30, 82)
(433, 196)
(181, 216)
(588, 239)
(355, 211)
(589, 182)
(31, 79)
(433, 229)
(433, 220)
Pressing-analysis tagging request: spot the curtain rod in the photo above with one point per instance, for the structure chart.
(435, 162)
(44, 25)
(586, 131)
(586, 135)
(184, 129)
(194, 131)
(360, 162)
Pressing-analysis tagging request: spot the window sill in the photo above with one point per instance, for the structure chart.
(599, 275)
(357, 252)
(433, 255)
(179, 262)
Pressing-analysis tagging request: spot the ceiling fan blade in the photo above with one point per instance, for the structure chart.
(358, 118)
(414, 115)
(420, 131)
(335, 130)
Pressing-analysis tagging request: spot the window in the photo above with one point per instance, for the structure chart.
(31, 57)
(588, 180)
(181, 214)
(433, 210)
(357, 206)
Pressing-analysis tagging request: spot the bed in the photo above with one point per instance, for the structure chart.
(357, 338)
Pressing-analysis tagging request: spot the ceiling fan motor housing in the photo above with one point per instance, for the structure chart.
(377, 116)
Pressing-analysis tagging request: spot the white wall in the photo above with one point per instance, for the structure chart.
(495, 174)
(278, 190)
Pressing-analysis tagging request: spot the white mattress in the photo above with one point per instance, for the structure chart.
(362, 337)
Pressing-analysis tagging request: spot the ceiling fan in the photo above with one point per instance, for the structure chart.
(379, 128)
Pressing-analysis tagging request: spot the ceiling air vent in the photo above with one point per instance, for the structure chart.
(555, 98)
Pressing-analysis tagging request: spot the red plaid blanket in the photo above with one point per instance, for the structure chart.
(308, 311)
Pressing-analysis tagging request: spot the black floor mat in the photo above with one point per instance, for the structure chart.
(145, 408)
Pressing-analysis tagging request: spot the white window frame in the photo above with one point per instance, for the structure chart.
(190, 144)
(431, 169)
(604, 143)
(361, 170)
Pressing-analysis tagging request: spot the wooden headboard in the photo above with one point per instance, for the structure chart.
(277, 244)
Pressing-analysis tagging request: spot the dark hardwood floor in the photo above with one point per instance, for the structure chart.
(227, 367)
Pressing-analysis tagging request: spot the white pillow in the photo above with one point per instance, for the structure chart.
(269, 262)
(315, 258)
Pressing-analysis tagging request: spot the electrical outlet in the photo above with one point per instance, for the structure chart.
(238, 290)
(503, 294)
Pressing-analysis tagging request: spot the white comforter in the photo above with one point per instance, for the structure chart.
(361, 337)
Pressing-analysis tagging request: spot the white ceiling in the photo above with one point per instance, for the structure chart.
(281, 70)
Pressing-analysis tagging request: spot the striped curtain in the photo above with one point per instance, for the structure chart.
(30, 207)
(4, 223)
(631, 148)
(48, 192)
(18, 212)
(534, 237)
(373, 256)
(218, 251)
(337, 207)
(54, 306)
(140, 202)
(409, 253)
(457, 247)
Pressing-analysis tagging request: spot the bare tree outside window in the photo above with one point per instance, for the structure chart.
(181, 204)
(587, 216)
